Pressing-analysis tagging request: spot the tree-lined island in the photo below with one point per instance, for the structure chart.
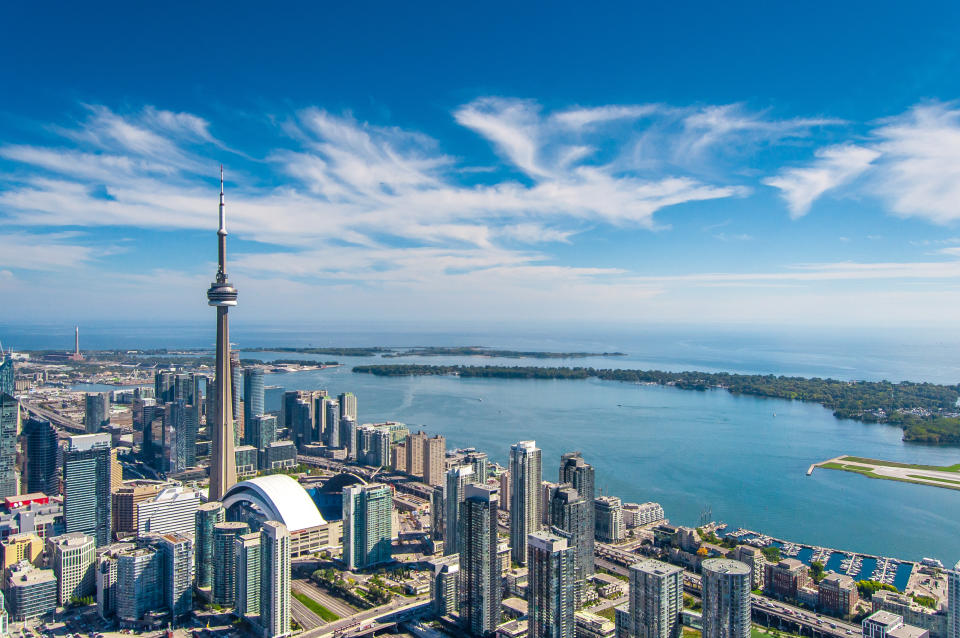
(927, 412)
(438, 351)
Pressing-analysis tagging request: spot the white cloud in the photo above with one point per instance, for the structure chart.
(920, 169)
(46, 252)
(834, 167)
(586, 117)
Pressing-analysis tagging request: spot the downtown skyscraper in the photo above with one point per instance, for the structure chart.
(9, 429)
(253, 398)
(87, 506)
(457, 480)
(274, 579)
(571, 516)
(367, 525)
(550, 561)
(222, 295)
(479, 562)
(726, 598)
(525, 515)
(656, 599)
(40, 442)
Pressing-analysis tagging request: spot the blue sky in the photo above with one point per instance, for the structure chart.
(768, 163)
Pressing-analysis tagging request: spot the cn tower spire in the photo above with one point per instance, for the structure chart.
(223, 227)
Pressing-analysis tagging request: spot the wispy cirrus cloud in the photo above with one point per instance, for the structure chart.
(351, 204)
(835, 166)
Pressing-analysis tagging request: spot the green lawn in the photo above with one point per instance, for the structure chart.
(758, 631)
(609, 613)
(324, 613)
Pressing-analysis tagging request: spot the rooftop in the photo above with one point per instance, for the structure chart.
(280, 498)
(725, 566)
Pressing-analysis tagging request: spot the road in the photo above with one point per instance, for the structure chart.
(307, 619)
(338, 627)
(332, 603)
(53, 417)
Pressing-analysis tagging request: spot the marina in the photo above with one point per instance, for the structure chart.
(891, 571)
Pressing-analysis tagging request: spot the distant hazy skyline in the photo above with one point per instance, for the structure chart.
(789, 164)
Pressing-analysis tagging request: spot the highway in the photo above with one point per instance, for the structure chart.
(54, 418)
(345, 625)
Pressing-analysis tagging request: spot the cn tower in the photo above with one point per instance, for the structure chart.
(223, 469)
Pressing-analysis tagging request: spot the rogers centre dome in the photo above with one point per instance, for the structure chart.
(277, 498)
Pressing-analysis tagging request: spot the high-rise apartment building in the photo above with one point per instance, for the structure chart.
(87, 506)
(953, 602)
(479, 563)
(97, 412)
(480, 464)
(550, 589)
(415, 446)
(571, 514)
(578, 473)
(9, 431)
(332, 409)
(457, 480)
(19, 547)
(525, 515)
(30, 592)
(253, 399)
(726, 598)
(139, 584)
(262, 431)
(163, 385)
(438, 513)
(274, 580)
(247, 562)
(236, 381)
(374, 445)
(608, 522)
(72, 557)
(505, 490)
(174, 510)
(40, 449)
(837, 594)
(7, 384)
(367, 525)
(127, 497)
(656, 599)
(435, 460)
(349, 437)
(208, 516)
(753, 558)
(224, 569)
(445, 585)
(348, 405)
(176, 556)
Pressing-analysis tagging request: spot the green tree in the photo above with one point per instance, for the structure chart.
(817, 571)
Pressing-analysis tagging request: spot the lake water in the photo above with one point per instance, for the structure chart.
(690, 451)
(744, 458)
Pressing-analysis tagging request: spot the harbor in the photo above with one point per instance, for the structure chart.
(891, 571)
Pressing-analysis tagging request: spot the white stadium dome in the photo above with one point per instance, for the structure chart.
(280, 498)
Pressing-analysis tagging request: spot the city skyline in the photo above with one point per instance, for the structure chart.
(663, 189)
